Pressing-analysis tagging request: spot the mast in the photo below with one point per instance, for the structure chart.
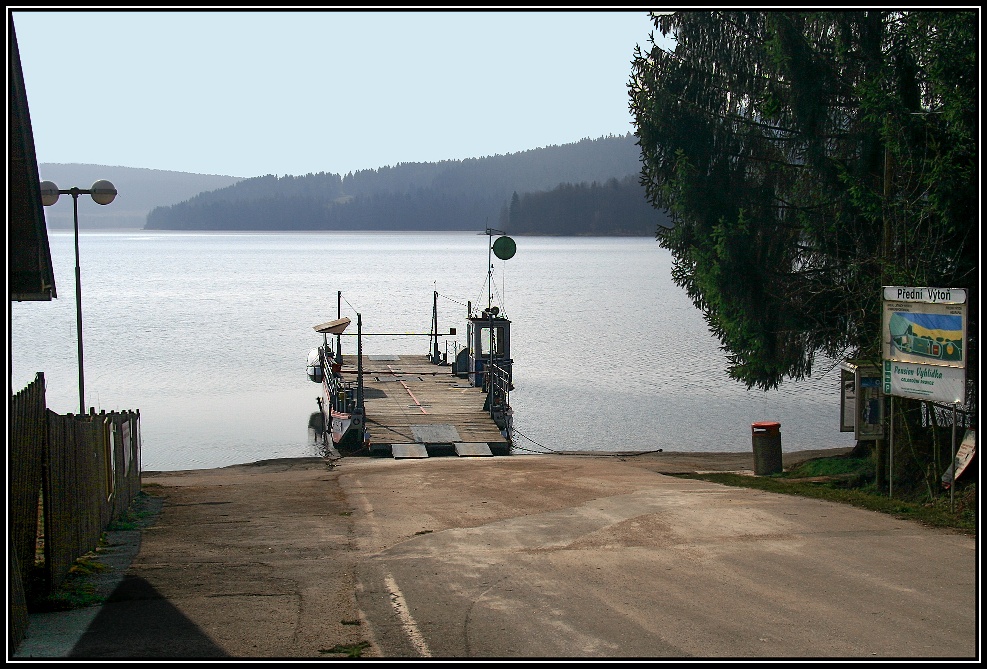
(489, 267)
(359, 361)
(435, 326)
(490, 233)
(339, 314)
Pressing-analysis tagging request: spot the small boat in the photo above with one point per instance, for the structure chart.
(341, 402)
(485, 362)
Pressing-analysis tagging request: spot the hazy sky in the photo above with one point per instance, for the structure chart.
(248, 93)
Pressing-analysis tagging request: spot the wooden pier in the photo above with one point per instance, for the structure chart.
(416, 409)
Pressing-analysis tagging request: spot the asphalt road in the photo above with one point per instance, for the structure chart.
(522, 557)
(595, 558)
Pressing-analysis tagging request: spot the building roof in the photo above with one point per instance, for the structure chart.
(30, 275)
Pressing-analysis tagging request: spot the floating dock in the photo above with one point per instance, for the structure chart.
(417, 409)
(408, 406)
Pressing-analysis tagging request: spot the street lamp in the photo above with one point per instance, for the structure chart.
(102, 192)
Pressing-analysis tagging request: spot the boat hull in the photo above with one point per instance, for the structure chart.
(347, 432)
(343, 420)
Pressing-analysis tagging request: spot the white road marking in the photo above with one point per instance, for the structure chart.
(401, 608)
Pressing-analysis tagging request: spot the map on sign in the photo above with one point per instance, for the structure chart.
(929, 336)
(925, 333)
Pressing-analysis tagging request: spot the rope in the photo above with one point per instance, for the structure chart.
(500, 298)
(482, 297)
(590, 455)
(462, 304)
(355, 310)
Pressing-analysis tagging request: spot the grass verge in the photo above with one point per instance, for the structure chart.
(75, 591)
(78, 587)
(135, 517)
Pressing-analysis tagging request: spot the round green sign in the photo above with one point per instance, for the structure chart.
(504, 248)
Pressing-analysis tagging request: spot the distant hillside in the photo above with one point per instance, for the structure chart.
(449, 195)
(617, 207)
(139, 191)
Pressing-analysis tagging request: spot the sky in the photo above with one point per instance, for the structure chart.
(249, 93)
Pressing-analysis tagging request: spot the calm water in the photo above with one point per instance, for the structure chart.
(207, 335)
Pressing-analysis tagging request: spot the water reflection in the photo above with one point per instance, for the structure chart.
(317, 437)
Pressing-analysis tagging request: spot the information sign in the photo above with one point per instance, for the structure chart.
(929, 330)
(924, 382)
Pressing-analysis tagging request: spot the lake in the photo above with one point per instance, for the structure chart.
(207, 333)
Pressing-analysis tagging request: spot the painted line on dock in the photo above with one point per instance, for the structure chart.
(405, 385)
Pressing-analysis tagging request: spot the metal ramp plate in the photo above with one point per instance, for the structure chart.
(435, 434)
(473, 449)
(408, 451)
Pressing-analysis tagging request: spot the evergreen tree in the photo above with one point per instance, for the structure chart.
(807, 159)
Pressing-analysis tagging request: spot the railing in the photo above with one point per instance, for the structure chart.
(499, 394)
(340, 394)
(70, 476)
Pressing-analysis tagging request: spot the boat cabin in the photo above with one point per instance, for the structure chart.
(489, 342)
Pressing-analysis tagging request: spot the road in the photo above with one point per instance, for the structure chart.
(594, 558)
(548, 557)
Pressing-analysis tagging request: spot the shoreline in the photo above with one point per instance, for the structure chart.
(662, 462)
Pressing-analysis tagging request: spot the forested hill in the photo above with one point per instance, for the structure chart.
(614, 207)
(139, 190)
(466, 194)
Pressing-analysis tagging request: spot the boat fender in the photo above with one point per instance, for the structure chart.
(314, 366)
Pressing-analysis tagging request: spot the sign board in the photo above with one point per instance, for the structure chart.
(925, 326)
(861, 401)
(924, 382)
(923, 294)
(870, 408)
(968, 449)
(848, 401)
(923, 338)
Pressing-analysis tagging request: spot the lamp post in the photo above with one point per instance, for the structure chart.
(102, 192)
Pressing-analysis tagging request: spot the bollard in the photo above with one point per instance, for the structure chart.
(766, 440)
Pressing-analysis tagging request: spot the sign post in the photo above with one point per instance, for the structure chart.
(924, 345)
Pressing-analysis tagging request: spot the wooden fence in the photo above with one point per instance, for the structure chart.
(69, 477)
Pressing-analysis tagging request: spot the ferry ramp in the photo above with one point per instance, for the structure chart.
(417, 409)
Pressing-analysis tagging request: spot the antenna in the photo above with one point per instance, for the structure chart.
(504, 248)
(490, 232)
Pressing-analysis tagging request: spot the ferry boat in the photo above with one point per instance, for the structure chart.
(484, 363)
